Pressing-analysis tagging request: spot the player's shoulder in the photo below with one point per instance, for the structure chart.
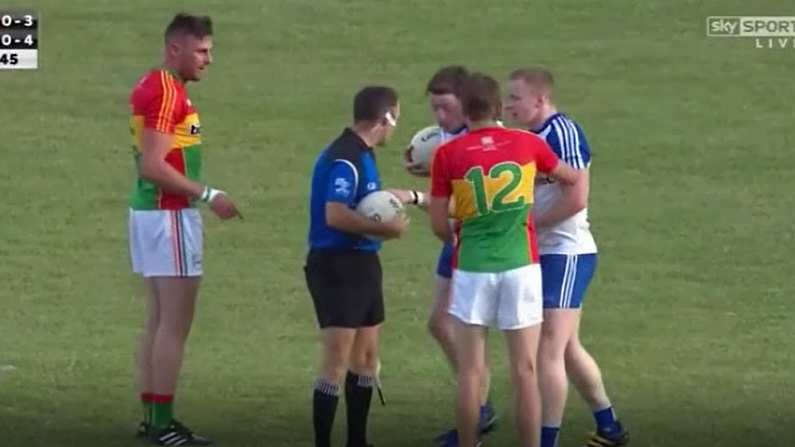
(522, 135)
(345, 148)
(154, 83)
(562, 123)
(461, 140)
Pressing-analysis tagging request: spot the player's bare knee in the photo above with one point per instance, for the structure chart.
(440, 329)
(433, 327)
(551, 352)
(526, 369)
(471, 373)
(336, 359)
(174, 331)
(365, 362)
(550, 365)
(335, 365)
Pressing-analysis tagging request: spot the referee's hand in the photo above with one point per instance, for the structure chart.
(395, 228)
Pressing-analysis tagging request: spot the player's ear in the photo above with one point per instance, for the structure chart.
(389, 119)
(172, 48)
(543, 98)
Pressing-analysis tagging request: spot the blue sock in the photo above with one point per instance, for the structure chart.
(605, 420)
(549, 436)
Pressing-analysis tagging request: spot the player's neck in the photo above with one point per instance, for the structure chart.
(474, 125)
(365, 133)
(546, 112)
(170, 68)
(458, 128)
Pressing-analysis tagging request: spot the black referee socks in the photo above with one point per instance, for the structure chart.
(324, 407)
(358, 394)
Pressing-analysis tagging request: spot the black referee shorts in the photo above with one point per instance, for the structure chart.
(346, 287)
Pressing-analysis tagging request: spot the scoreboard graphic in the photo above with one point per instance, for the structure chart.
(19, 40)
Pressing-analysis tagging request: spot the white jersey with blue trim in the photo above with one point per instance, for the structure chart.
(447, 136)
(573, 235)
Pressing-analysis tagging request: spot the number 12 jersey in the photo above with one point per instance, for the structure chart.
(489, 174)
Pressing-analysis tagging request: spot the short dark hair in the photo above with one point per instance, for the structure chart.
(448, 80)
(536, 77)
(373, 102)
(480, 97)
(187, 24)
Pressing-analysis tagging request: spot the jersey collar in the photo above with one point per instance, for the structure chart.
(483, 129)
(172, 73)
(355, 139)
(546, 123)
(459, 131)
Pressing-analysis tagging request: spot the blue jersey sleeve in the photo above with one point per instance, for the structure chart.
(343, 181)
(568, 141)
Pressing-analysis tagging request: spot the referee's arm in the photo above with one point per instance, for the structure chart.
(340, 196)
(342, 218)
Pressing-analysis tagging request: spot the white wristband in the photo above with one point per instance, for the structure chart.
(209, 194)
(422, 199)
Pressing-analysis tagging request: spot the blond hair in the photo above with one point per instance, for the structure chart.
(538, 78)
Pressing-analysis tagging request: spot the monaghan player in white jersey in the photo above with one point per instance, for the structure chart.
(568, 261)
(443, 91)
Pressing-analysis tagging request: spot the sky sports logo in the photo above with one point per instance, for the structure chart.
(771, 32)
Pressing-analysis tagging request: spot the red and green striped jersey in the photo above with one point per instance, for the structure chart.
(160, 102)
(489, 174)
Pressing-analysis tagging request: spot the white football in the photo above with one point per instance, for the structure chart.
(380, 206)
(424, 144)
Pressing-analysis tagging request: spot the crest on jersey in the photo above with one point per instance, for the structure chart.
(195, 129)
(342, 187)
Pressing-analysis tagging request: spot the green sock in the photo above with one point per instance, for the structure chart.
(162, 411)
(146, 403)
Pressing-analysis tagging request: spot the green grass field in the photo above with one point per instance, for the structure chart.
(690, 314)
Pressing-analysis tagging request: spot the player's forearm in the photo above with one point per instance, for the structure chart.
(572, 201)
(568, 176)
(573, 198)
(166, 177)
(561, 211)
(342, 218)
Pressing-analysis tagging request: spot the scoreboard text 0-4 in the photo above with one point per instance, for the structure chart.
(19, 40)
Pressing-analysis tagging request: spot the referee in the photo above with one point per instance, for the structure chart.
(343, 272)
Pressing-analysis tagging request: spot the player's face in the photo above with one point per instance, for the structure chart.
(193, 55)
(522, 105)
(447, 111)
(388, 125)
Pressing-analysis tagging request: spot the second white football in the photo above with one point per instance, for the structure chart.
(424, 144)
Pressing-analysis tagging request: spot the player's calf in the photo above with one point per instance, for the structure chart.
(523, 346)
(587, 378)
(558, 328)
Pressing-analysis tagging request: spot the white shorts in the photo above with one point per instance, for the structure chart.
(507, 300)
(166, 242)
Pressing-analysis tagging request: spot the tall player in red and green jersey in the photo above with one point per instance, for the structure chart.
(489, 175)
(165, 226)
